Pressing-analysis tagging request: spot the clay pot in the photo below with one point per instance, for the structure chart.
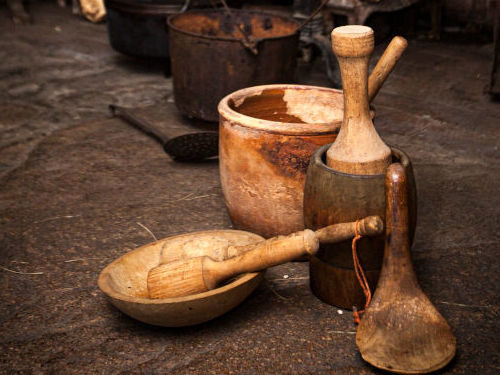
(332, 197)
(267, 136)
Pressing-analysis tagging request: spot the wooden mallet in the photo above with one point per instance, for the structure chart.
(201, 273)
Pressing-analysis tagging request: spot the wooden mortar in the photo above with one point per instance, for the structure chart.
(334, 197)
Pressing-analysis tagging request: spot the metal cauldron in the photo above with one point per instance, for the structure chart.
(209, 60)
(137, 27)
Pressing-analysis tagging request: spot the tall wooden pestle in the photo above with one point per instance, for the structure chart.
(358, 148)
(401, 331)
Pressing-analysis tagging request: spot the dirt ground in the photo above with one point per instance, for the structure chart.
(78, 188)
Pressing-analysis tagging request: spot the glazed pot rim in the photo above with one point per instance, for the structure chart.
(109, 291)
(277, 127)
(319, 154)
(171, 18)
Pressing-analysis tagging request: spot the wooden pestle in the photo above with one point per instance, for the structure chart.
(368, 226)
(201, 273)
(401, 331)
(358, 149)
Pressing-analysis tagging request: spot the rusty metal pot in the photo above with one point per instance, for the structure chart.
(332, 197)
(267, 135)
(209, 60)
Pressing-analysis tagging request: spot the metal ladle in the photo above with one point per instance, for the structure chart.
(185, 147)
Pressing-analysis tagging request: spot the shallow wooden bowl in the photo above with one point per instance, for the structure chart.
(124, 282)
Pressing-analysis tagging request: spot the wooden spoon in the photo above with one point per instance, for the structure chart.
(401, 331)
(358, 149)
(199, 274)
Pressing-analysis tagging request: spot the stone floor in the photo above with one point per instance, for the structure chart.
(77, 188)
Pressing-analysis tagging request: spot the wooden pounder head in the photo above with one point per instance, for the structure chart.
(196, 275)
(358, 149)
(401, 331)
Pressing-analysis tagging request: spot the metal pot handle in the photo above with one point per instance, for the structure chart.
(312, 15)
(247, 41)
(186, 6)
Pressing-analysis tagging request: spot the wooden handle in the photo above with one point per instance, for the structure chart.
(353, 46)
(397, 259)
(139, 123)
(369, 226)
(268, 253)
(385, 65)
(358, 148)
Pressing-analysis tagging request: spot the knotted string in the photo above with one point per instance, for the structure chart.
(360, 274)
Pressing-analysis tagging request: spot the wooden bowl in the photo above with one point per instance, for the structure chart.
(267, 135)
(124, 282)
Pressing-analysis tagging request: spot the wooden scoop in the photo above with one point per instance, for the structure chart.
(401, 331)
(195, 275)
(358, 149)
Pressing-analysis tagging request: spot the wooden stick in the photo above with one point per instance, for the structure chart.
(385, 65)
(358, 148)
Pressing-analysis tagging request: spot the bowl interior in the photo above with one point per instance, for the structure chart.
(294, 104)
(216, 24)
(127, 275)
